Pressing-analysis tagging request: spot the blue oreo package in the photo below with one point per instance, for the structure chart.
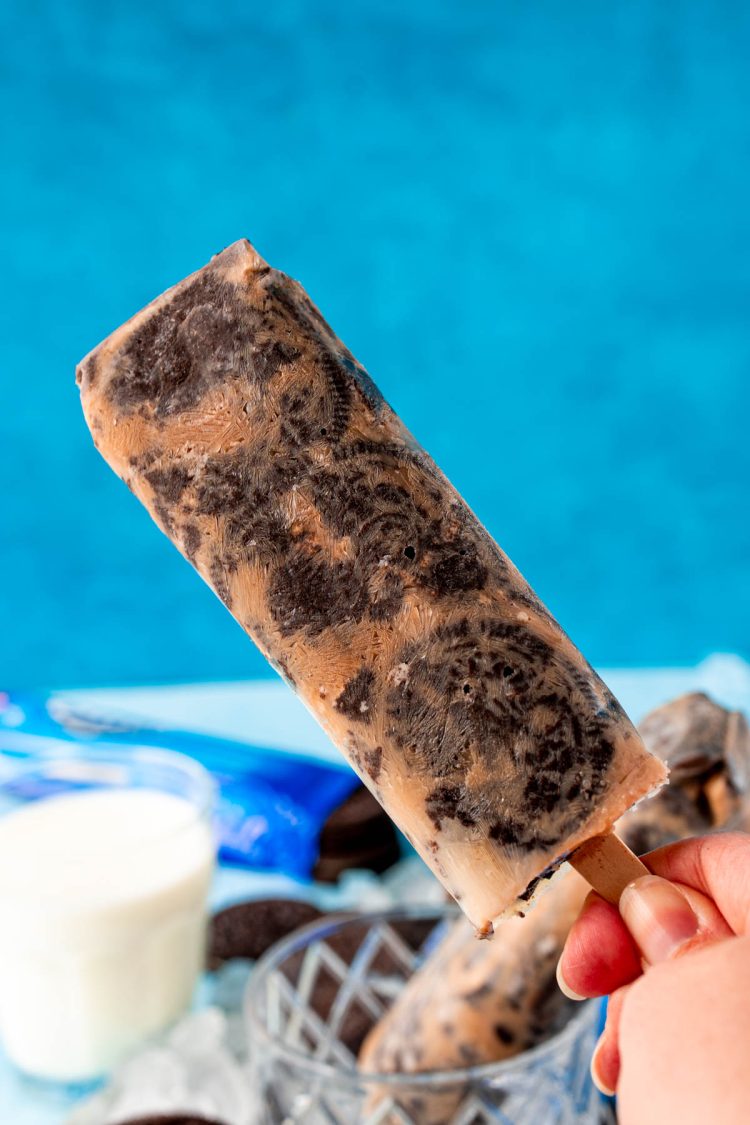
(271, 805)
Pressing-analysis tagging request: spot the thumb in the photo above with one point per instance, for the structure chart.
(658, 916)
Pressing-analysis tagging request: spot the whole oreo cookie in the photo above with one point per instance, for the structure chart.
(172, 1119)
(360, 814)
(248, 929)
(329, 869)
(357, 834)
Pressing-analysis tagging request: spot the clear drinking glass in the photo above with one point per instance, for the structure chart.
(106, 856)
(312, 999)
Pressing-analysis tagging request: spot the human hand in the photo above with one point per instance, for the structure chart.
(675, 961)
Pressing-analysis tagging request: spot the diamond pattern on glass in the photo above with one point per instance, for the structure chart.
(319, 1000)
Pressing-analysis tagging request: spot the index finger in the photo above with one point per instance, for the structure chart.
(718, 866)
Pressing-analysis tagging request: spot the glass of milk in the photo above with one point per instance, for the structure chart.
(105, 863)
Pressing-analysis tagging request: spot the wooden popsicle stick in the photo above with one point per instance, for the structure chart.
(608, 865)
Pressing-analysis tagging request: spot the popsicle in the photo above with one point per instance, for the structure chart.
(478, 1002)
(708, 751)
(475, 1002)
(265, 452)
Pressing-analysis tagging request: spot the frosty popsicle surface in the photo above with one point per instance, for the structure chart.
(265, 452)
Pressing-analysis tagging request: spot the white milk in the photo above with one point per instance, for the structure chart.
(102, 925)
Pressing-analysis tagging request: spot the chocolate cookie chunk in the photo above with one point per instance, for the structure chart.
(248, 929)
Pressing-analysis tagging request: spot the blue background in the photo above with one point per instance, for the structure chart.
(529, 221)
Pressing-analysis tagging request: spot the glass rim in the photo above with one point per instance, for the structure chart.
(84, 760)
(274, 957)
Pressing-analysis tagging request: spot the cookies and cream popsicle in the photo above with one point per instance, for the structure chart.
(476, 1002)
(265, 452)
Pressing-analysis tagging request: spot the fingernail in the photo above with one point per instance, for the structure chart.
(563, 984)
(601, 1086)
(658, 916)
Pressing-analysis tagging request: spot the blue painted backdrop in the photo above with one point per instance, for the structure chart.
(529, 221)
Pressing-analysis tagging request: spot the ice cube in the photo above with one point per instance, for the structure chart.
(198, 1033)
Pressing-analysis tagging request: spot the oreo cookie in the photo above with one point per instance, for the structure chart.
(248, 929)
(172, 1119)
(329, 869)
(357, 834)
